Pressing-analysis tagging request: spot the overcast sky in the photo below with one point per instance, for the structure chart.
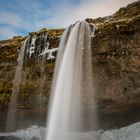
(18, 17)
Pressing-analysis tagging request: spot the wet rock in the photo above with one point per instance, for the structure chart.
(34, 138)
(116, 66)
(8, 138)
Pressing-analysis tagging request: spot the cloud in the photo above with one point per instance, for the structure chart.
(11, 19)
(6, 32)
(23, 16)
(87, 8)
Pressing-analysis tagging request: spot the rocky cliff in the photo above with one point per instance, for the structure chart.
(116, 67)
(32, 70)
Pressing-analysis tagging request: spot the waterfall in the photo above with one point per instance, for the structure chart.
(32, 48)
(15, 89)
(72, 106)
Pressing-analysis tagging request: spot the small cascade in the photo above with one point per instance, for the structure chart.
(94, 28)
(72, 106)
(16, 85)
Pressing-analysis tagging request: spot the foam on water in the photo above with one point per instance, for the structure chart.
(131, 132)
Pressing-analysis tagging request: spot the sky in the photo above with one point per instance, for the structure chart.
(19, 17)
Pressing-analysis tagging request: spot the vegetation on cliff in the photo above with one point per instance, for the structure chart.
(29, 91)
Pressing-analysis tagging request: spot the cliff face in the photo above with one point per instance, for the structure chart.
(116, 67)
(8, 60)
(116, 55)
(36, 74)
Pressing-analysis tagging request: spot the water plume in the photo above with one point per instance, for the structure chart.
(72, 105)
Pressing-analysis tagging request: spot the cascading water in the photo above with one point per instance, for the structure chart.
(72, 105)
(15, 90)
(32, 49)
(72, 111)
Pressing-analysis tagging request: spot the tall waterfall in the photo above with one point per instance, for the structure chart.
(72, 106)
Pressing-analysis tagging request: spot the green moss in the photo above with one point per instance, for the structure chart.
(129, 11)
(53, 33)
(5, 92)
(9, 49)
(21, 106)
